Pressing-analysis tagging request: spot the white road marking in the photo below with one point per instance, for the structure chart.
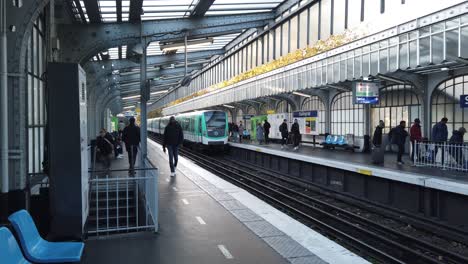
(200, 220)
(175, 189)
(225, 252)
(185, 201)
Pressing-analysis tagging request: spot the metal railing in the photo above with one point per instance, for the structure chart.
(441, 155)
(123, 203)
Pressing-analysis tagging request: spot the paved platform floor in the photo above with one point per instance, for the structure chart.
(194, 228)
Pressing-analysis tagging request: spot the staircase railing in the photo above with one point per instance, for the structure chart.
(120, 204)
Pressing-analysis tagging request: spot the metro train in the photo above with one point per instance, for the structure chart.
(208, 128)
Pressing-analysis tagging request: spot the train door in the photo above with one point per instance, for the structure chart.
(199, 133)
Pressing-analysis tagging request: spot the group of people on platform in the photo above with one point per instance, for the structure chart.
(439, 137)
(262, 133)
(109, 145)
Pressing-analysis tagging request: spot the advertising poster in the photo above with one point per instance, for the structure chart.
(307, 121)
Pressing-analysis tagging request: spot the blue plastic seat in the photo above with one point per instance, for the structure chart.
(328, 139)
(39, 250)
(335, 140)
(341, 140)
(10, 253)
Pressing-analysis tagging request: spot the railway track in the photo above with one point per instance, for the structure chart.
(372, 240)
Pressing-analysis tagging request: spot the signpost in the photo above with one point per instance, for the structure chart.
(308, 120)
(366, 93)
(464, 101)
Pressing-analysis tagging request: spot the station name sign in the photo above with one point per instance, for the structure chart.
(305, 114)
(464, 101)
(248, 117)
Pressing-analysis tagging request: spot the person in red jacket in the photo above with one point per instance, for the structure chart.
(415, 136)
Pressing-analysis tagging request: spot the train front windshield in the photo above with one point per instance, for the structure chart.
(215, 124)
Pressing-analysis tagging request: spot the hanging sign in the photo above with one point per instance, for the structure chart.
(305, 113)
(247, 117)
(464, 101)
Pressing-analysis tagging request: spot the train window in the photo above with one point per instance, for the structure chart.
(215, 123)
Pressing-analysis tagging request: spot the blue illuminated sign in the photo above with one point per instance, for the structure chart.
(305, 114)
(464, 101)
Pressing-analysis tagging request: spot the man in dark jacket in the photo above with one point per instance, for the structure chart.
(131, 138)
(284, 133)
(266, 130)
(398, 136)
(173, 137)
(456, 145)
(377, 138)
(415, 136)
(296, 133)
(439, 135)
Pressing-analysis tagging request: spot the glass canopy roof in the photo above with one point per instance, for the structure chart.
(165, 9)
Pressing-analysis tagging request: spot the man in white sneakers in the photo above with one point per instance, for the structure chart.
(173, 137)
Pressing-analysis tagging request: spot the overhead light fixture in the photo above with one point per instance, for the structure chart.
(444, 69)
(159, 92)
(390, 79)
(131, 97)
(181, 45)
(302, 94)
(339, 88)
(229, 106)
(129, 107)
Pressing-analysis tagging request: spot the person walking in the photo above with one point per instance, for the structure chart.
(284, 133)
(105, 147)
(235, 132)
(241, 131)
(377, 138)
(131, 138)
(121, 128)
(415, 137)
(173, 137)
(296, 133)
(259, 133)
(456, 146)
(266, 130)
(397, 137)
(439, 137)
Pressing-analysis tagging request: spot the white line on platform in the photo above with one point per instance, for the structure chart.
(225, 252)
(200, 220)
(185, 201)
(175, 189)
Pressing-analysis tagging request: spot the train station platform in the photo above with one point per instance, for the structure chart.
(204, 219)
(445, 180)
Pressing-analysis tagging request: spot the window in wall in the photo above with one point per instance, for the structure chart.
(278, 42)
(36, 121)
(354, 13)
(260, 51)
(248, 57)
(397, 103)
(303, 28)
(254, 54)
(293, 34)
(315, 103)
(325, 18)
(283, 107)
(371, 10)
(346, 117)
(445, 102)
(271, 45)
(285, 39)
(313, 24)
(339, 16)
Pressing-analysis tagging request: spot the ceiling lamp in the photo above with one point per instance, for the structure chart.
(166, 47)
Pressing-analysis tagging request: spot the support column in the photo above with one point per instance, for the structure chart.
(3, 109)
(144, 94)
